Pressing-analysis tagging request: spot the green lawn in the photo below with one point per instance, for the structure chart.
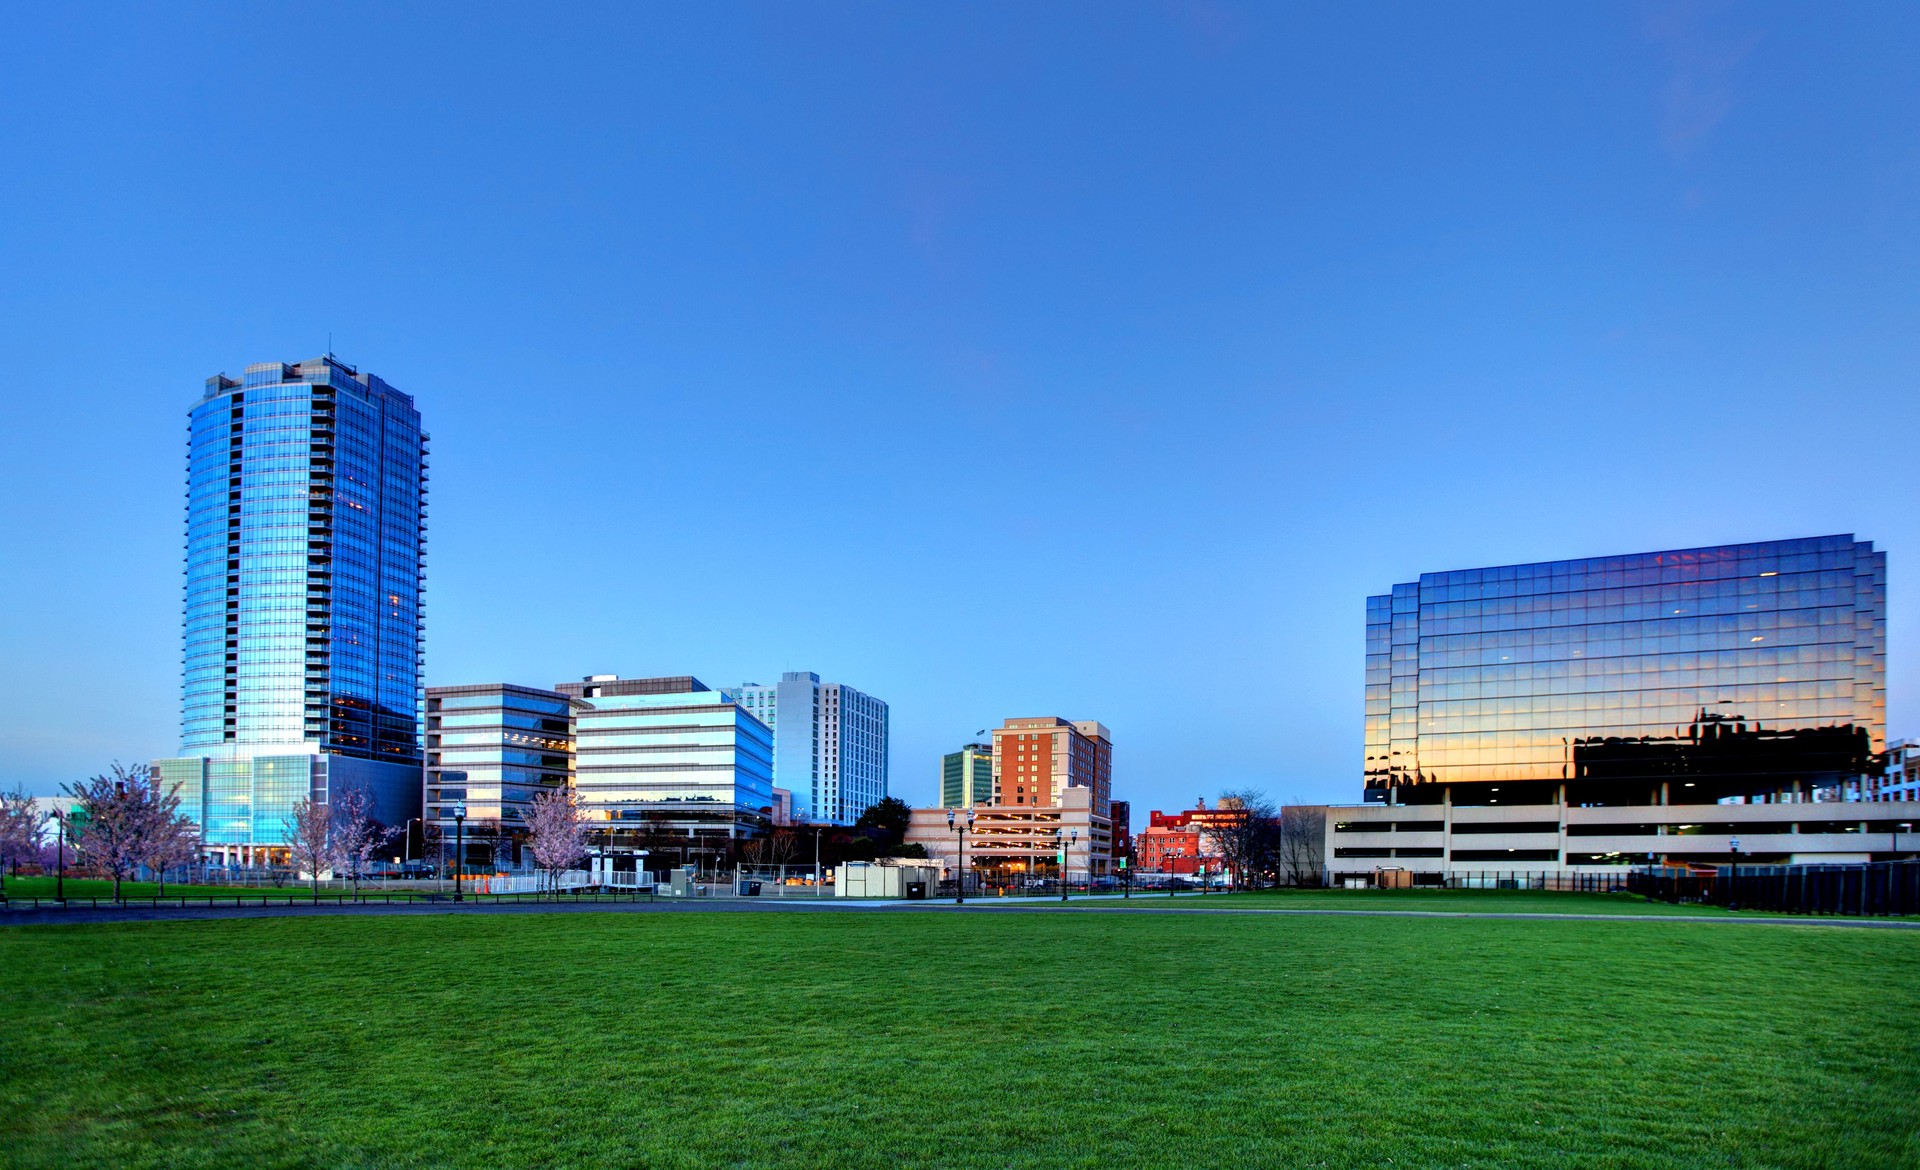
(43, 887)
(879, 1039)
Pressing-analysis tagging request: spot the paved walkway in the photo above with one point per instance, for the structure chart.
(1089, 905)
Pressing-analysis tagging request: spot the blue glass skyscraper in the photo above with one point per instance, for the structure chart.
(306, 494)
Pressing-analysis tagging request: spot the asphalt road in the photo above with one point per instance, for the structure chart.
(1096, 905)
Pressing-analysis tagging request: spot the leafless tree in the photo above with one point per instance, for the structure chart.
(309, 837)
(754, 852)
(356, 834)
(785, 842)
(555, 833)
(432, 841)
(1245, 833)
(20, 832)
(1303, 835)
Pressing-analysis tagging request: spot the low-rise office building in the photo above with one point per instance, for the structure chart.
(1697, 706)
(669, 759)
(491, 748)
(1899, 778)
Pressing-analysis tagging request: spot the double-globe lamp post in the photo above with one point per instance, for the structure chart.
(960, 828)
(1066, 841)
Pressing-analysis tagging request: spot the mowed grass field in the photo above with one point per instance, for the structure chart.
(880, 1039)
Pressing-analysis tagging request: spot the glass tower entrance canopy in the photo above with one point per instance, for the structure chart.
(1749, 670)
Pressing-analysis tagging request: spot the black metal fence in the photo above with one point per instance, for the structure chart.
(1878, 888)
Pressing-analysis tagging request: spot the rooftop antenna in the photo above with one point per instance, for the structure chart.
(329, 343)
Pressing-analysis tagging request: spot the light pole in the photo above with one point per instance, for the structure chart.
(1898, 828)
(1066, 841)
(60, 853)
(1733, 874)
(960, 868)
(816, 860)
(459, 847)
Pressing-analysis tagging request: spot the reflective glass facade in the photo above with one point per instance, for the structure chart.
(1740, 670)
(966, 777)
(672, 754)
(306, 491)
(495, 747)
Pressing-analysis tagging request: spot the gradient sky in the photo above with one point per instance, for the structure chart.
(997, 360)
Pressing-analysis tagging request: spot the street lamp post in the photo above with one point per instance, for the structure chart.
(1066, 841)
(1898, 828)
(60, 853)
(960, 828)
(459, 847)
(816, 860)
(1733, 874)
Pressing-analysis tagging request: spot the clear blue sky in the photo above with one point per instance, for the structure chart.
(994, 359)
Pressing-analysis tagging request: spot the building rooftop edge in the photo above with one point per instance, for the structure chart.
(1651, 552)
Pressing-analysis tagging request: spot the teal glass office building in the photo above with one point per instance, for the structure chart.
(1750, 671)
(306, 521)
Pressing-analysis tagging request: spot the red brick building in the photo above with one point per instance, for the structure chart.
(1180, 842)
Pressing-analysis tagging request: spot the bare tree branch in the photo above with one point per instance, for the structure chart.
(355, 833)
(1303, 835)
(309, 833)
(1245, 833)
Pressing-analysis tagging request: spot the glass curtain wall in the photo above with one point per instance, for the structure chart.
(1751, 670)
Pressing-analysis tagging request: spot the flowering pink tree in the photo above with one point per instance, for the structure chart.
(310, 840)
(555, 833)
(114, 815)
(20, 832)
(166, 838)
(355, 833)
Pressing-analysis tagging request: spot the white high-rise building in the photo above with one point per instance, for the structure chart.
(829, 744)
